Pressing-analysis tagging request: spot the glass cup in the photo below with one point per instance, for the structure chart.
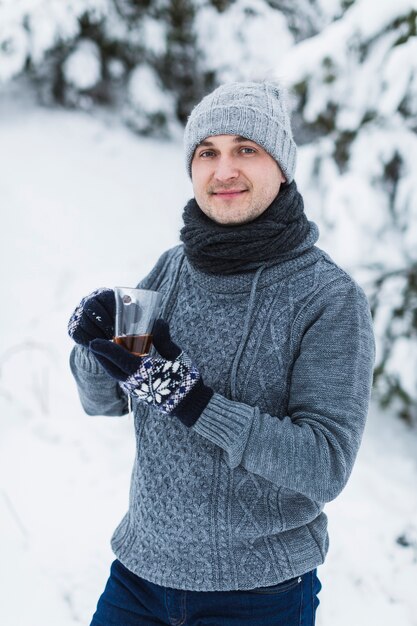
(136, 312)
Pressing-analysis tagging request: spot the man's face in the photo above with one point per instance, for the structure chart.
(234, 179)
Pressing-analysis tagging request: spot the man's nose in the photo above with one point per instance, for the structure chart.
(226, 168)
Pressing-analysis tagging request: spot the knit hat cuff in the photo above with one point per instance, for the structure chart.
(252, 124)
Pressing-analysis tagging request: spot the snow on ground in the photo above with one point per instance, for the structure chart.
(86, 204)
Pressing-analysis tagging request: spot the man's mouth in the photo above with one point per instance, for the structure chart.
(229, 193)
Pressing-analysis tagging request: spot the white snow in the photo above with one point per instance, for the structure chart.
(146, 97)
(231, 40)
(87, 204)
(145, 90)
(354, 63)
(82, 68)
(153, 35)
(31, 27)
(14, 49)
(398, 73)
(362, 22)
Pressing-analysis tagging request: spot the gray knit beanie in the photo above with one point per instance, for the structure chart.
(253, 110)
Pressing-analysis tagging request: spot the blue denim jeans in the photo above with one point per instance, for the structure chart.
(129, 600)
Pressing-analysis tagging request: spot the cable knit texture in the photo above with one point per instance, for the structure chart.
(236, 501)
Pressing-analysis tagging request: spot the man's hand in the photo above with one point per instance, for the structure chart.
(170, 382)
(93, 318)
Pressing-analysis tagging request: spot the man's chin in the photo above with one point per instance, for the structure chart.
(229, 220)
(227, 216)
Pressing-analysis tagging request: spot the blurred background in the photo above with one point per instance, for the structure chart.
(94, 95)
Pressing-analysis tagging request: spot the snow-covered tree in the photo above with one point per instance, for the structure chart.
(117, 52)
(28, 29)
(356, 101)
(230, 40)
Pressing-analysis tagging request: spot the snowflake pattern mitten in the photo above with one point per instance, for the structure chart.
(170, 382)
(94, 317)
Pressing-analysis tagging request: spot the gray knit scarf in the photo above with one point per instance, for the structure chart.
(217, 249)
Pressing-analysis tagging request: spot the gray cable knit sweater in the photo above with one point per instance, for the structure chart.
(236, 502)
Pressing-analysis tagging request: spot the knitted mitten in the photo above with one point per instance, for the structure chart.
(94, 317)
(171, 382)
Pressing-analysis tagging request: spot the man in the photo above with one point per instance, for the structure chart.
(266, 352)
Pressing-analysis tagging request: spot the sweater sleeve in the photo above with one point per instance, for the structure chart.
(312, 449)
(99, 393)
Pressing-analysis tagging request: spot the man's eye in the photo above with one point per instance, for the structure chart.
(206, 153)
(248, 150)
